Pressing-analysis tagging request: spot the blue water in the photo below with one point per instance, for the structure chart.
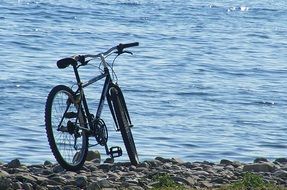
(208, 81)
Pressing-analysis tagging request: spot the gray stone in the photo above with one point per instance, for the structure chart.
(4, 173)
(59, 179)
(260, 159)
(17, 185)
(70, 187)
(206, 184)
(260, 167)
(177, 161)
(105, 167)
(163, 160)
(54, 187)
(143, 164)
(94, 155)
(58, 169)
(189, 165)
(48, 163)
(94, 186)
(142, 170)
(200, 173)
(281, 160)
(5, 183)
(27, 186)
(109, 160)
(155, 163)
(136, 188)
(25, 177)
(281, 173)
(14, 164)
(81, 181)
(229, 167)
(219, 180)
(226, 162)
(104, 183)
(186, 181)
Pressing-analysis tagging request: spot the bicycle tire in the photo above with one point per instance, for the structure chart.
(124, 125)
(62, 143)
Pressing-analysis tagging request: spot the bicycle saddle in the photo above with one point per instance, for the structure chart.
(63, 63)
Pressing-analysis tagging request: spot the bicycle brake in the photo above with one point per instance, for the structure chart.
(122, 52)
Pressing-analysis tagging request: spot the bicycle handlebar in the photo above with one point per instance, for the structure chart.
(119, 49)
(63, 63)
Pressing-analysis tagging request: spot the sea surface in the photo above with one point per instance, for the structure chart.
(208, 81)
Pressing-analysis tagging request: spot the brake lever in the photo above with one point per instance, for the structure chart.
(122, 52)
(128, 52)
(86, 62)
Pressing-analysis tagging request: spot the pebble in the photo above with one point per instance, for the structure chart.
(94, 176)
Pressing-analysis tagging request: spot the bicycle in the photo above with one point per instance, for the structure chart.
(68, 120)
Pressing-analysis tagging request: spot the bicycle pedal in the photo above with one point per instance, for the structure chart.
(115, 151)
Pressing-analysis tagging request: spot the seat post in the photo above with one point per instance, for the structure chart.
(77, 74)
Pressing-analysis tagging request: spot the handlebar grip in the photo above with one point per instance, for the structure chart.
(129, 45)
(120, 47)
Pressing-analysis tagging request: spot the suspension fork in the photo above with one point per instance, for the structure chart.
(113, 88)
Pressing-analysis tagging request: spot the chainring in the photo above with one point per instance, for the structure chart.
(101, 132)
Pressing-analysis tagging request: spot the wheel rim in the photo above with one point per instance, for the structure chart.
(64, 141)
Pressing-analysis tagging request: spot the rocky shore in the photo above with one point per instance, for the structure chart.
(109, 176)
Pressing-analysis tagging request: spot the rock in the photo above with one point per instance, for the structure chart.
(54, 187)
(14, 164)
(5, 182)
(109, 160)
(94, 155)
(104, 183)
(17, 185)
(163, 160)
(25, 178)
(200, 173)
(81, 181)
(189, 165)
(281, 173)
(94, 186)
(59, 179)
(281, 160)
(143, 164)
(219, 180)
(105, 167)
(48, 163)
(260, 167)
(206, 184)
(27, 186)
(186, 181)
(58, 169)
(4, 173)
(226, 162)
(120, 175)
(176, 161)
(154, 163)
(260, 160)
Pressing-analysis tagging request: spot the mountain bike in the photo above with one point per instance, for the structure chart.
(68, 120)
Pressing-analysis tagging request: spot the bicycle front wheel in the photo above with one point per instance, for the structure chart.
(63, 119)
(124, 125)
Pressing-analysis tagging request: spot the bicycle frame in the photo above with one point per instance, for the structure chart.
(107, 85)
(80, 90)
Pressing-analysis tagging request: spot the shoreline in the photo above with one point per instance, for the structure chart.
(123, 175)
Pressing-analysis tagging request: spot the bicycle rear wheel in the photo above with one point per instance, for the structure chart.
(124, 125)
(67, 141)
